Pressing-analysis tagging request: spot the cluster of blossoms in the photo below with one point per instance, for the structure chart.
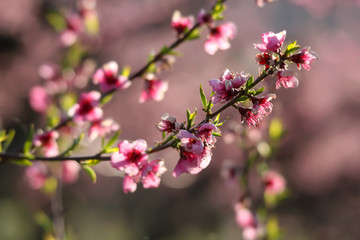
(75, 23)
(218, 37)
(247, 221)
(132, 159)
(39, 172)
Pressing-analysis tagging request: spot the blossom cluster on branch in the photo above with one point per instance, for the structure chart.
(73, 113)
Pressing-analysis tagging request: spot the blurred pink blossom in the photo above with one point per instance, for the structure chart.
(274, 183)
(219, 38)
(36, 175)
(46, 142)
(70, 171)
(39, 99)
(180, 23)
(108, 78)
(87, 109)
(102, 127)
(154, 90)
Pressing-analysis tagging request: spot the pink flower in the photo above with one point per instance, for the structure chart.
(219, 38)
(250, 233)
(102, 127)
(304, 58)
(271, 41)
(39, 99)
(108, 78)
(150, 174)
(274, 183)
(252, 118)
(154, 89)
(180, 24)
(46, 142)
(168, 124)
(189, 142)
(265, 59)
(70, 171)
(131, 157)
(286, 81)
(74, 26)
(260, 3)
(204, 17)
(36, 175)
(195, 151)
(263, 106)
(129, 185)
(227, 86)
(87, 109)
(244, 217)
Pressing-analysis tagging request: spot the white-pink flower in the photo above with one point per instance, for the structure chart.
(180, 23)
(87, 109)
(219, 38)
(271, 41)
(154, 90)
(274, 183)
(287, 81)
(46, 143)
(74, 25)
(168, 124)
(102, 127)
(227, 86)
(131, 157)
(39, 99)
(108, 78)
(151, 172)
(70, 171)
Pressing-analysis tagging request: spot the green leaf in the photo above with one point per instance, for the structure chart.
(10, 137)
(264, 149)
(259, 91)
(203, 98)
(243, 98)
(218, 9)
(216, 120)
(195, 34)
(74, 145)
(112, 140)
(67, 101)
(126, 71)
(292, 47)
(22, 162)
(43, 221)
(91, 162)
(92, 24)
(56, 21)
(111, 150)
(50, 185)
(249, 82)
(106, 98)
(216, 134)
(28, 143)
(164, 50)
(163, 135)
(190, 118)
(90, 172)
(273, 230)
(276, 130)
(53, 115)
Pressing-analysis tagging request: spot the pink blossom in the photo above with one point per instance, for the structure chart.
(129, 185)
(250, 233)
(195, 150)
(219, 38)
(70, 171)
(154, 89)
(102, 127)
(131, 157)
(274, 183)
(204, 17)
(260, 3)
(265, 59)
(151, 172)
(108, 78)
(252, 118)
(189, 142)
(39, 99)
(271, 41)
(227, 86)
(87, 109)
(168, 124)
(263, 106)
(46, 142)
(304, 58)
(74, 25)
(180, 23)
(36, 175)
(286, 81)
(244, 217)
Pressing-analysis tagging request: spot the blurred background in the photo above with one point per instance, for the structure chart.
(319, 155)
